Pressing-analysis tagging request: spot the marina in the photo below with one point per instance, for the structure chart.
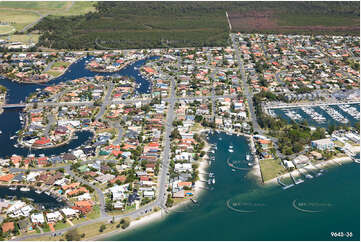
(321, 116)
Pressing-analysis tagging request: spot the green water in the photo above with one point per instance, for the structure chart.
(271, 215)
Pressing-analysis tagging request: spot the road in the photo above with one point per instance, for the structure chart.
(246, 90)
(106, 101)
(51, 121)
(120, 133)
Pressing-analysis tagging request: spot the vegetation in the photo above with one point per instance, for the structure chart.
(72, 235)
(271, 168)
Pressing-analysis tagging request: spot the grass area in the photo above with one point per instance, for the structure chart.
(59, 8)
(311, 20)
(78, 8)
(60, 64)
(25, 38)
(54, 73)
(271, 168)
(118, 212)
(61, 225)
(196, 127)
(18, 18)
(5, 29)
(339, 143)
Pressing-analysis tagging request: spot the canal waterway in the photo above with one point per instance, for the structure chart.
(240, 209)
(41, 199)
(17, 92)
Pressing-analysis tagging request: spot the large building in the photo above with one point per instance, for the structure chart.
(322, 144)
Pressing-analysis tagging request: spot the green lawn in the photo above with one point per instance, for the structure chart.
(5, 29)
(271, 168)
(18, 18)
(61, 225)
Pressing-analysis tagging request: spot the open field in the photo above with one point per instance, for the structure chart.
(6, 29)
(18, 18)
(54, 7)
(272, 21)
(18, 15)
(24, 38)
(270, 169)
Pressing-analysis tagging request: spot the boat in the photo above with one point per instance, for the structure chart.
(1, 132)
(38, 191)
(230, 150)
(248, 157)
(250, 164)
(231, 146)
(233, 170)
(47, 193)
(213, 180)
(12, 188)
(25, 189)
(194, 200)
(308, 176)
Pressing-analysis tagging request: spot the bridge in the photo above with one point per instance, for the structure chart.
(15, 105)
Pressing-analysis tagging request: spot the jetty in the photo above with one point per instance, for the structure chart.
(284, 186)
(296, 182)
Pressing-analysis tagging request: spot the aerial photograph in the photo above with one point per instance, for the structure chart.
(180, 120)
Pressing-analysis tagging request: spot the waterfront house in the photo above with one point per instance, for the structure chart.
(54, 217)
(70, 213)
(322, 144)
(301, 159)
(6, 178)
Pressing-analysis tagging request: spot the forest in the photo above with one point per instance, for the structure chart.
(126, 25)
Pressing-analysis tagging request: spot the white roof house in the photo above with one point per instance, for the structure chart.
(149, 194)
(37, 218)
(178, 167)
(85, 196)
(54, 217)
(69, 212)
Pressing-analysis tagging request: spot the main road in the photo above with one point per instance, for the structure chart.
(246, 89)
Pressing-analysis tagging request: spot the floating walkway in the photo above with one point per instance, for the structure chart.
(296, 182)
(284, 186)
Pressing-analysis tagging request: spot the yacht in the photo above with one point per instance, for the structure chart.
(38, 191)
(25, 189)
(12, 188)
(308, 176)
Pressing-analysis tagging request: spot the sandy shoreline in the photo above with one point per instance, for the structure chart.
(335, 162)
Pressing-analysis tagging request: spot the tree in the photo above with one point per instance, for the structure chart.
(72, 235)
(102, 228)
(170, 201)
(125, 222)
